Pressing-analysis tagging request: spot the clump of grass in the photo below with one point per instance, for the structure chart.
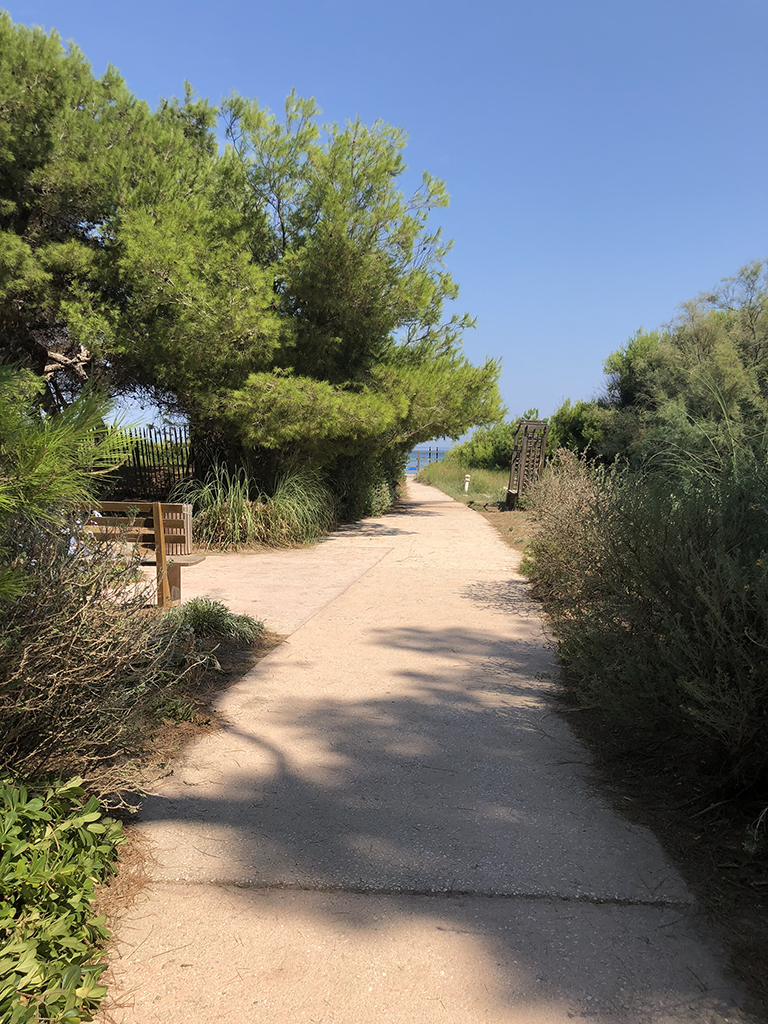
(485, 485)
(301, 509)
(231, 512)
(207, 618)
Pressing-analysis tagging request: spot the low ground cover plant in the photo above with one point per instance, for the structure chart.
(55, 847)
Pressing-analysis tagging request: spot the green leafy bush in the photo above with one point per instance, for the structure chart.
(579, 427)
(490, 447)
(55, 846)
(366, 485)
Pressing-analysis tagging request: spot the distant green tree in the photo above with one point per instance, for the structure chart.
(491, 447)
(333, 346)
(696, 390)
(580, 427)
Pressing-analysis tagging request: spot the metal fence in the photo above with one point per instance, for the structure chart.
(423, 457)
(156, 460)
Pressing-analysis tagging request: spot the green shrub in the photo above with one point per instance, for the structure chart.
(579, 427)
(207, 618)
(489, 447)
(658, 594)
(54, 848)
(366, 486)
(48, 466)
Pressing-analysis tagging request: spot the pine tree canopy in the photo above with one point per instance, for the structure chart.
(280, 290)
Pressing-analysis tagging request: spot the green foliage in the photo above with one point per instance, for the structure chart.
(487, 448)
(364, 368)
(366, 484)
(579, 427)
(212, 619)
(485, 486)
(696, 390)
(63, 149)
(490, 447)
(230, 511)
(659, 598)
(282, 293)
(224, 514)
(55, 846)
(629, 368)
(83, 660)
(48, 464)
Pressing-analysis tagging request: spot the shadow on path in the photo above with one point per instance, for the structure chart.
(460, 795)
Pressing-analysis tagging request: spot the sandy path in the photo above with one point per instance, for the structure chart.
(394, 827)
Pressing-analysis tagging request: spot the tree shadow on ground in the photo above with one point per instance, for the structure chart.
(460, 795)
(512, 596)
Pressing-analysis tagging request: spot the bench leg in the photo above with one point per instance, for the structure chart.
(173, 573)
(163, 589)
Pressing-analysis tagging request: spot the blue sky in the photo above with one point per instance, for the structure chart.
(605, 159)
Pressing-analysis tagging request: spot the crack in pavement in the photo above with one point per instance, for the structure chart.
(389, 890)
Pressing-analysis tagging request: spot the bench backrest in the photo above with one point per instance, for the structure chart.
(133, 522)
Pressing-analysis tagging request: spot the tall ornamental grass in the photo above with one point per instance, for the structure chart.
(231, 512)
(658, 593)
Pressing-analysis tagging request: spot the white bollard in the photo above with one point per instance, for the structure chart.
(466, 484)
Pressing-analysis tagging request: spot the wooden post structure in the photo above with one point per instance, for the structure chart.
(163, 586)
(528, 455)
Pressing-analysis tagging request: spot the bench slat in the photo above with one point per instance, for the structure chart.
(145, 507)
(132, 534)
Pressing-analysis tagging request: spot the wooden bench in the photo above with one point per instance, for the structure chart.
(137, 523)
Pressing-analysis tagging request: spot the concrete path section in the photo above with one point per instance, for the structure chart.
(394, 826)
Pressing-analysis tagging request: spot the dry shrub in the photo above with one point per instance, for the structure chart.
(658, 594)
(567, 554)
(86, 659)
